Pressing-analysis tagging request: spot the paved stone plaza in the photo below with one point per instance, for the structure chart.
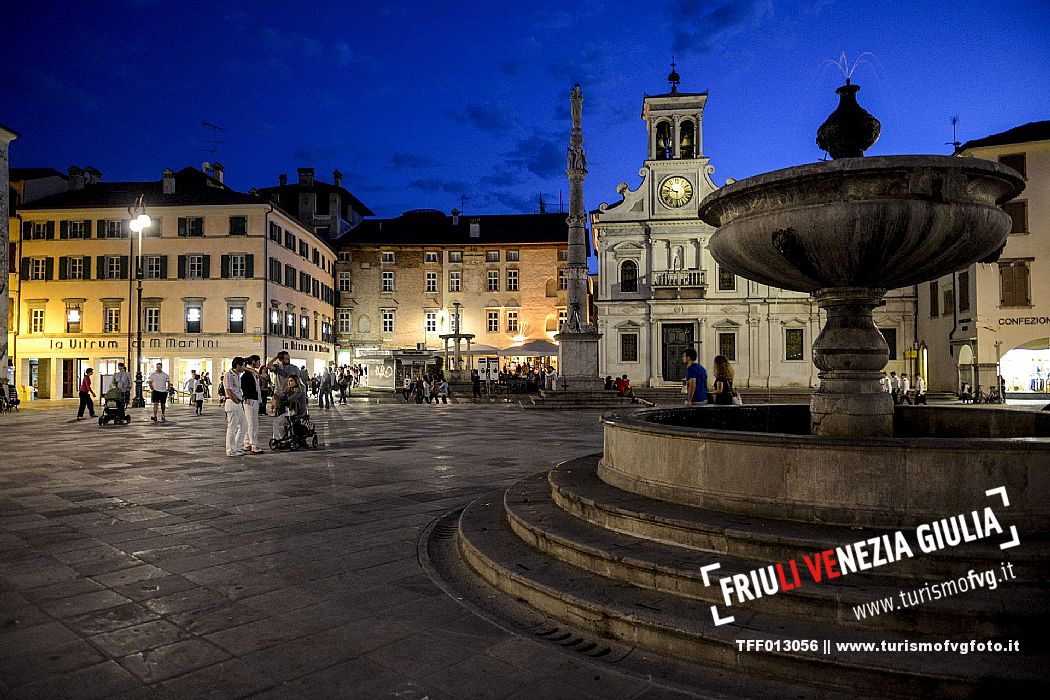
(140, 561)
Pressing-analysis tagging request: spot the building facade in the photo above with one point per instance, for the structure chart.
(660, 291)
(327, 209)
(399, 282)
(224, 273)
(993, 319)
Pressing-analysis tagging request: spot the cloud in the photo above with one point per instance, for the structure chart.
(292, 44)
(517, 203)
(413, 161)
(487, 116)
(437, 184)
(540, 155)
(699, 27)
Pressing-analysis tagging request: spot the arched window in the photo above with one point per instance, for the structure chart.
(687, 139)
(664, 143)
(629, 276)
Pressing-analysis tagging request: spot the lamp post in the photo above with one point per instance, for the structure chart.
(139, 222)
(455, 330)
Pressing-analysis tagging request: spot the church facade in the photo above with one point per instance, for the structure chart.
(660, 291)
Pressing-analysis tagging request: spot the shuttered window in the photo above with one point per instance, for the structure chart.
(1014, 284)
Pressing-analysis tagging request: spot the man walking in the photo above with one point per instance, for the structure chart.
(895, 388)
(159, 383)
(695, 379)
(920, 390)
(905, 389)
(122, 380)
(327, 379)
(234, 407)
(251, 393)
(86, 392)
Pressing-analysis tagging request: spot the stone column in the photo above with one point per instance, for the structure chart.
(578, 336)
(850, 353)
(6, 137)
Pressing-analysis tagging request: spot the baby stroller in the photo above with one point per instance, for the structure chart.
(298, 433)
(113, 408)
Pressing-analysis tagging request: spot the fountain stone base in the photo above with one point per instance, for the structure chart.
(850, 352)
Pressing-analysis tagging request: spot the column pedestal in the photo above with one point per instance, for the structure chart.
(850, 353)
(578, 355)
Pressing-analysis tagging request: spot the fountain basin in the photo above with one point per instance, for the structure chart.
(881, 222)
(760, 461)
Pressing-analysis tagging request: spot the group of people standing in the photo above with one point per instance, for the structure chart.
(901, 389)
(245, 388)
(429, 388)
(696, 389)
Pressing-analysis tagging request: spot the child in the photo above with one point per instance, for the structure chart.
(198, 396)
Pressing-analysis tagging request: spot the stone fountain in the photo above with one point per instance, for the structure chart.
(635, 544)
(847, 231)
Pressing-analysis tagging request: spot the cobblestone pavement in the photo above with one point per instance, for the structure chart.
(140, 561)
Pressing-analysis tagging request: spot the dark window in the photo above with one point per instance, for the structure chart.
(275, 232)
(629, 276)
(1017, 161)
(1018, 212)
(1014, 284)
(794, 344)
(238, 225)
(934, 301)
(628, 347)
(275, 270)
(727, 345)
(289, 276)
(890, 336)
(304, 248)
(726, 280)
(949, 302)
(191, 226)
(289, 240)
(964, 291)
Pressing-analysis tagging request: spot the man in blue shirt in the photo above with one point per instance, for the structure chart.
(695, 378)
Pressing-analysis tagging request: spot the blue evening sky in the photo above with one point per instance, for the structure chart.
(420, 103)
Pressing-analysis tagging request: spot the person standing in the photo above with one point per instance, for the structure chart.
(426, 389)
(920, 390)
(191, 384)
(86, 392)
(234, 407)
(895, 388)
(342, 380)
(282, 367)
(250, 395)
(122, 380)
(406, 387)
(695, 379)
(884, 383)
(905, 393)
(475, 384)
(327, 380)
(723, 381)
(159, 382)
(199, 392)
(442, 390)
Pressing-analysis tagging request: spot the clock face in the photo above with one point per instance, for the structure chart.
(676, 191)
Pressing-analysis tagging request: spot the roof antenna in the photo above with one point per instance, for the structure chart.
(215, 142)
(462, 202)
(954, 143)
(543, 206)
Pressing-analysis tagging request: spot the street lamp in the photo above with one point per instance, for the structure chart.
(140, 221)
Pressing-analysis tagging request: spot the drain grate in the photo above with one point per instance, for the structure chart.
(570, 640)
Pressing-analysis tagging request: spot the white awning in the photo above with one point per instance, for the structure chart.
(533, 348)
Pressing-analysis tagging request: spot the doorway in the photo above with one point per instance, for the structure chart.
(676, 338)
(72, 371)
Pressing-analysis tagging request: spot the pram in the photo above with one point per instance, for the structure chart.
(113, 408)
(298, 433)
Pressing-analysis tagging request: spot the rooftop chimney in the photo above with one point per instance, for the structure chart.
(455, 217)
(475, 228)
(169, 181)
(76, 178)
(92, 175)
(283, 179)
(217, 171)
(337, 178)
(306, 177)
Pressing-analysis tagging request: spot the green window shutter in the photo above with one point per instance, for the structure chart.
(63, 265)
(24, 269)
(206, 267)
(50, 230)
(182, 265)
(164, 267)
(27, 229)
(86, 262)
(224, 266)
(124, 267)
(100, 229)
(49, 269)
(63, 229)
(100, 267)
(249, 266)
(182, 226)
(87, 228)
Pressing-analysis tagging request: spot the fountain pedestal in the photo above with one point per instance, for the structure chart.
(850, 352)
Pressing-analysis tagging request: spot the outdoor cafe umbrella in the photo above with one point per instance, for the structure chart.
(533, 348)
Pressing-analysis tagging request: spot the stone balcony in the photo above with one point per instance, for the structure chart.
(678, 284)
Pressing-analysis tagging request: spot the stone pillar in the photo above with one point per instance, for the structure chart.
(850, 353)
(578, 336)
(6, 137)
